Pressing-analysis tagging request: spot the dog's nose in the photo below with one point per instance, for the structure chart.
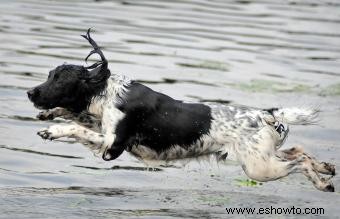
(31, 93)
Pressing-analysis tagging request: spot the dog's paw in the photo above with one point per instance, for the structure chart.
(45, 115)
(329, 188)
(45, 134)
(329, 168)
(55, 131)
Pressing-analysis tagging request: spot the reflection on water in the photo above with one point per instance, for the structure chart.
(37, 152)
(116, 167)
(260, 53)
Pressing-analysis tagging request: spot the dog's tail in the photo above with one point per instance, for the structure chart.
(295, 115)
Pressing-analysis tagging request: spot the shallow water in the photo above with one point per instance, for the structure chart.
(264, 54)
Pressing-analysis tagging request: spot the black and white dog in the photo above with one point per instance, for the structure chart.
(112, 114)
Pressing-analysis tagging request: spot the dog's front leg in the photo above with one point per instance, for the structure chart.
(95, 141)
(83, 118)
(71, 131)
(53, 113)
(114, 144)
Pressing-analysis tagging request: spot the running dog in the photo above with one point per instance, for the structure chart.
(111, 114)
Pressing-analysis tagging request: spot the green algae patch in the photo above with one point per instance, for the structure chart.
(214, 200)
(247, 182)
(212, 65)
(332, 90)
(80, 202)
(271, 86)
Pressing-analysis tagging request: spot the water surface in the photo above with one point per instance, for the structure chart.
(263, 54)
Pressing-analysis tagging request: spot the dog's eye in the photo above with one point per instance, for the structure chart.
(56, 76)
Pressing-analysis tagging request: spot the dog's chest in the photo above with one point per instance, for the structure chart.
(96, 108)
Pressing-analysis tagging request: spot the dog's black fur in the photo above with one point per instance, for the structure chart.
(177, 123)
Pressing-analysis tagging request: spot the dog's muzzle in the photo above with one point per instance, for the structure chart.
(32, 94)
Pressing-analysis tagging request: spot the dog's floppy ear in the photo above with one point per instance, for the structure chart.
(99, 71)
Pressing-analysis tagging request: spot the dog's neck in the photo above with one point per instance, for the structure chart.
(112, 95)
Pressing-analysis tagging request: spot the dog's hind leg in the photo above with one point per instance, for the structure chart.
(264, 168)
(260, 161)
(294, 152)
(306, 167)
(257, 156)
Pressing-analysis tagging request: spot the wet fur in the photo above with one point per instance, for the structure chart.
(112, 114)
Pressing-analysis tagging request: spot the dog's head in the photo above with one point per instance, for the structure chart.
(72, 86)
